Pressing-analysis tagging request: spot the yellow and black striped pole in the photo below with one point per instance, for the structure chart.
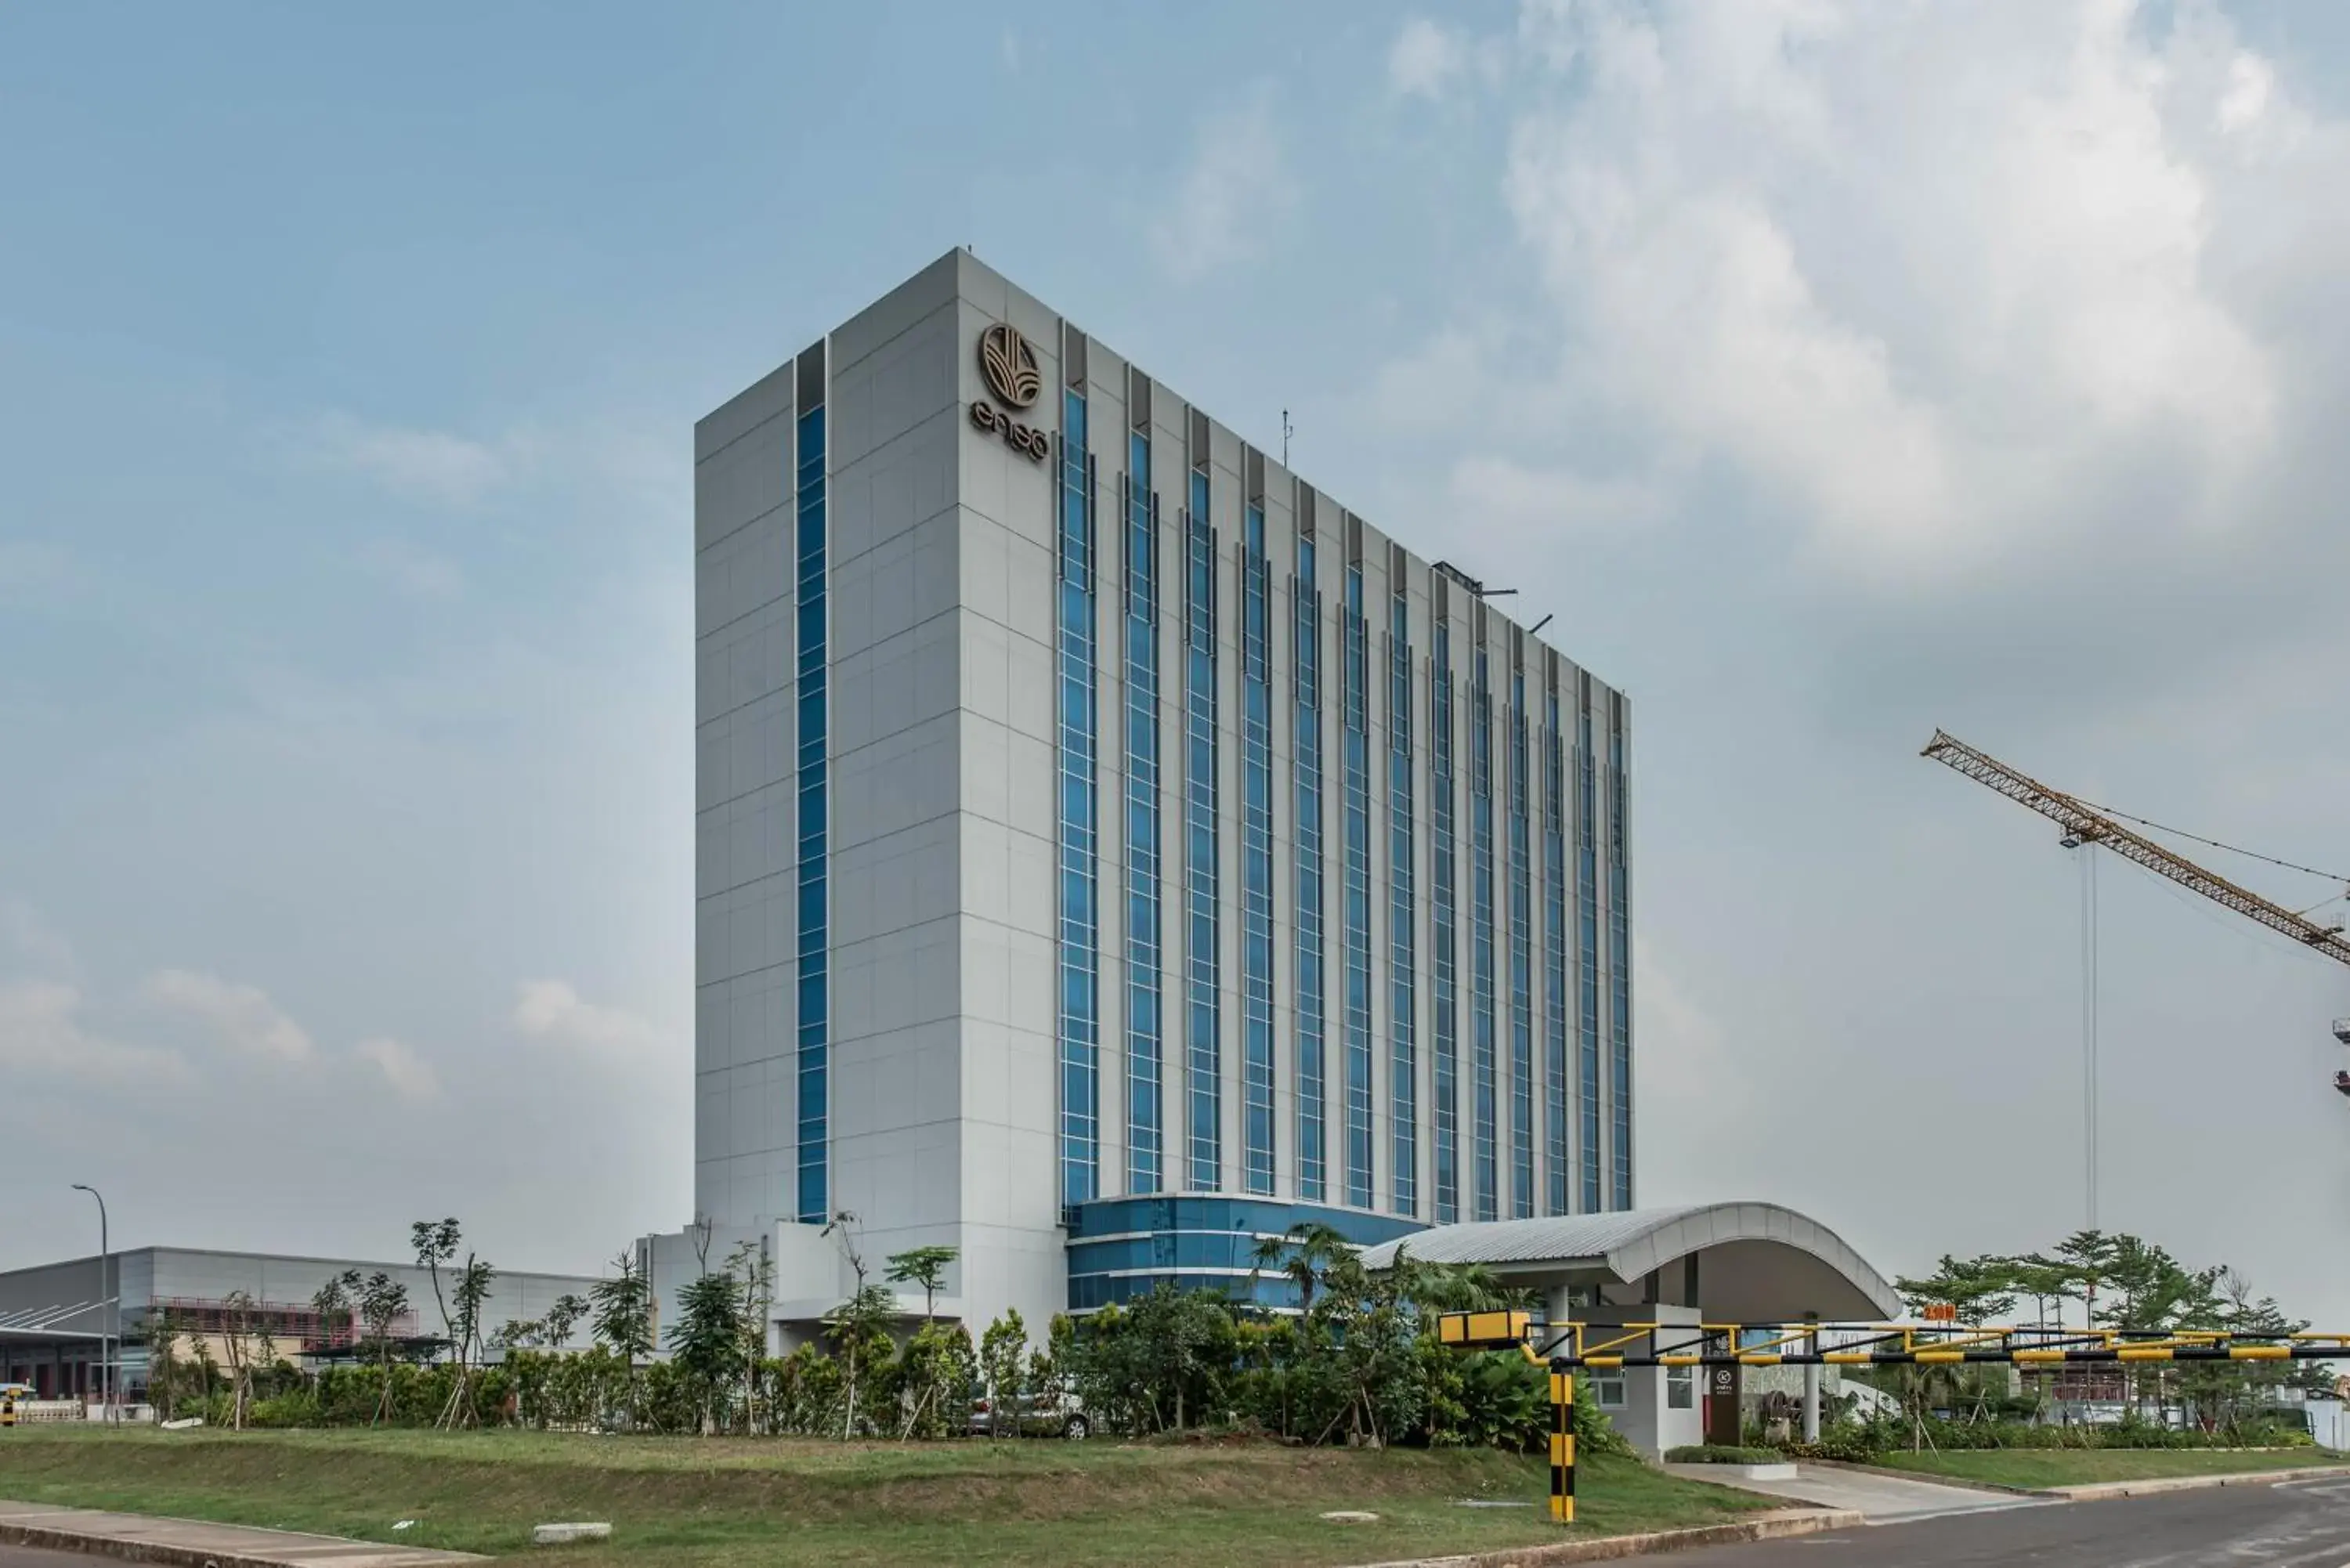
(1562, 1447)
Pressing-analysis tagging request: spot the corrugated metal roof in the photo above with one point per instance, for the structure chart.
(1563, 1238)
(1631, 1243)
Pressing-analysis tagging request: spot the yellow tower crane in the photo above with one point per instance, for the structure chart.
(2085, 825)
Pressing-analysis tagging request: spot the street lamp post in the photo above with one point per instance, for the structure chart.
(111, 1325)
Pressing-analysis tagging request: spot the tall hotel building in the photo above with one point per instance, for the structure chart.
(1112, 850)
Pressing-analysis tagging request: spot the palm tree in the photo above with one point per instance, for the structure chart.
(1304, 1254)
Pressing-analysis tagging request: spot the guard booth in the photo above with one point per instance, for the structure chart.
(1717, 1262)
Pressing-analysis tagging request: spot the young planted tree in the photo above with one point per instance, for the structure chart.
(469, 1294)
(160, 1332)
(435, 1241)
(561, 1319)
(705, 1343)
(236, 1317)
(1002, 1350)
(859, 1331)
(335, 1302)
(623, 1309)
(925, 1267)
(753, 1273)
(382, 1303)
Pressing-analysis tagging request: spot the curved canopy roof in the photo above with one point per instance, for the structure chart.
(1759, 1261)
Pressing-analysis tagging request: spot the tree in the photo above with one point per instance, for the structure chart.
(334, 1301)
(382, 1302)
(160, 1332)
(859, 1331)
(925, 1267)
(623, 1306)
(705, 1343)
(753, 1272)
(1002, 1350)
(434, 1243)
(1304, 1254)
(562, 1318)
(236, 1318)
(469, 1293)
(1977, 1290)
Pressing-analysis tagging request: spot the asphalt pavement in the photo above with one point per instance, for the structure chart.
(2292, 1525)
(25, 1557)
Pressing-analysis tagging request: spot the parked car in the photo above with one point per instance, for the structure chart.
(1058, 1413)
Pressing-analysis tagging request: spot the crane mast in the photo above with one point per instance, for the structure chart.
(2086, 825)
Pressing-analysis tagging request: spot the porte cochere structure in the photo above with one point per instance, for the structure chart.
(1714, 1262)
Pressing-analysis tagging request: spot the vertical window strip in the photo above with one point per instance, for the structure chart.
(1619, 962)
(1522, 965)
(814, 931)
(1257, 858)
(1203, 964)
(1403, 967)
(1356, 910)
(1554, 992)
(1586, 838)
(1445, 933)
(1307, 648)
(1080, 932)
(1144, 1107)
(1481, 938)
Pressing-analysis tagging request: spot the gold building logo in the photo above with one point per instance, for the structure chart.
(1010, 366)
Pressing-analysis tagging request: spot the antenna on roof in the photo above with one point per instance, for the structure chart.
(1286, 429)
(1535, 630)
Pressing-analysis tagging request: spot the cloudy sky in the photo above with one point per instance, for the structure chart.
(1833, 372)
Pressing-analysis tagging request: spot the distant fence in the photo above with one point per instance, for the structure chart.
(51, 1410)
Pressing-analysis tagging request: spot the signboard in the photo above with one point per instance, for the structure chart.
(1008, 365)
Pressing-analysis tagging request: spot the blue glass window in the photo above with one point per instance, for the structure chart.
(1355, 907)
(1144, 1108)
(1201, 878)
(1080, 924)
(1306, 761)
(1619, 967)
(1522, 965)
(813, 934)
(1555, 992)
(1586, 834)
(1482, 980)
(1445, 930)
(1256, 856)
(1403, 914)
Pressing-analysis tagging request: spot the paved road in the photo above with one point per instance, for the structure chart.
(2295, 1525)
(25, 1557)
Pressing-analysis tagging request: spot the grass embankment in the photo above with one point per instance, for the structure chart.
(2038, 1467)
(731, 1503)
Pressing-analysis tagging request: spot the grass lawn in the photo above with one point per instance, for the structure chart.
(2038, 1467)
(730, 1504)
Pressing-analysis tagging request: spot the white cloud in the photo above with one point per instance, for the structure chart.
(1522, 503)
(41, 1032)
(1233, 195)
(1937, 284)
(1428, 60)
(551, 1009)
(242, 1016)
(410, 1076)
(1424, 58)
(31, 944)
(436, 466)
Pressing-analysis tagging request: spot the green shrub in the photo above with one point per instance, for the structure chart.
(1722, 1454)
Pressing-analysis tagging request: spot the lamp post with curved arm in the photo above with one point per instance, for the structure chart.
(111, 1325)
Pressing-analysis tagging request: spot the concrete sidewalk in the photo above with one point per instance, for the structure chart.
(1881, 1499)
(199, 1545)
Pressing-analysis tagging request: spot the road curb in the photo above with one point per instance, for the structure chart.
(1894, 1472)
(1775, 1525)
(2097, 1491)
